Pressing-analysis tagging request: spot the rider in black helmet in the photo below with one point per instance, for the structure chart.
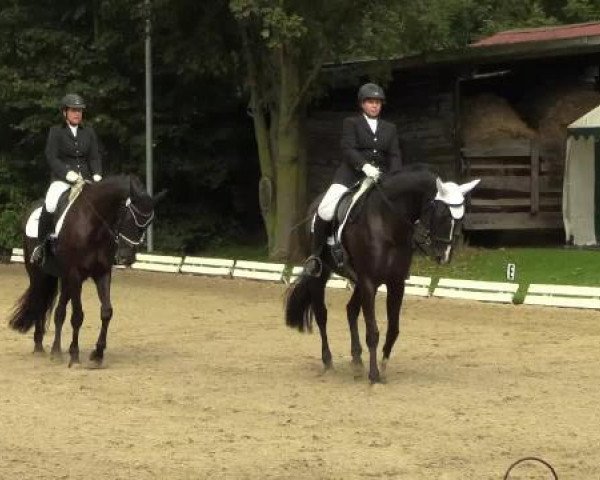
(369, 148)
(72, 154)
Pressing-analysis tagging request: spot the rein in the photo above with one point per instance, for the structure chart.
(115, 233)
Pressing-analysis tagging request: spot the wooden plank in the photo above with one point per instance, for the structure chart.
(535, 177)
(155, 267)
(516, 148)
(499, 297)
(514, 202)
(258, 275)
(569, 290)
(516, 183)
(512, 221)
(264, 266)
(206, 270)
(163, 259)
(499, 166)
(478, 285)
(208, 261)
(569, 302)
(418, 281)
(17, 255)
(416, 291)
(338, 282)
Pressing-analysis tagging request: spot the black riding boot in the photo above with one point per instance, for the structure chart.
(313, 265)
(45, 228)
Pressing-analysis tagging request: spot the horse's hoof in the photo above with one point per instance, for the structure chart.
(96, 359)
(374, 379)
(74, 362)
(384, 364)
(39, 350)
(95, 364)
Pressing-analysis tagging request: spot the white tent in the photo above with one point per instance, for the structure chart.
(581, 187)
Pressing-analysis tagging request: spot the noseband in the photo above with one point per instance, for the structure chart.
(141, 220)
(424, 225)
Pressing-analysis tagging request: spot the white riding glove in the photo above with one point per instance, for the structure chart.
(72, 176)
(371, 171)
(97, 178)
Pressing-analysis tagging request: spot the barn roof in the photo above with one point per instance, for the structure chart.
(507, 46)
(543, 34)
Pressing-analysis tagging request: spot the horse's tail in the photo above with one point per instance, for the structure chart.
(36, 302)
(299, 298)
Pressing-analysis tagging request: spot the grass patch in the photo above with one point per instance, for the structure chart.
(564, 266)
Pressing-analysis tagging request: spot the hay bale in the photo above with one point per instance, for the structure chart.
(487, 118)
(554, 108)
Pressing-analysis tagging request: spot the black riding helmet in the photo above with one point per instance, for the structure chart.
(72, 100)
(370, 90)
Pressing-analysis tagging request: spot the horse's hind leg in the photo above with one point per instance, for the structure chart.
(368, 306)
(106, 312)
(59, 319)
(76, 319)
(320, 311)
(395, 294)
(352, 311)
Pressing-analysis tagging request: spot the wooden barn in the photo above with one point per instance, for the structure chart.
(497, 110)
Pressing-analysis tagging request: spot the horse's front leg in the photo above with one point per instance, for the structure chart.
(74, 291)
(59, 319)
(106, 313)
(368, 306)
(352, 312)
(395, 294)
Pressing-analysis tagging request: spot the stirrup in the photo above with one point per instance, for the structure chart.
(37, 255)
(317, 269)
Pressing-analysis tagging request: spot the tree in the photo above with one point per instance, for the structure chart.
(285, 44)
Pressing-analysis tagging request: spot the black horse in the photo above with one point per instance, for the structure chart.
(106, 223)
(411, 207)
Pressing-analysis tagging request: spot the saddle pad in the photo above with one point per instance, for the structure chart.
(73, 193)
(31, 227)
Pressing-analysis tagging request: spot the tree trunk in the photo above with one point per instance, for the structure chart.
(289, 164)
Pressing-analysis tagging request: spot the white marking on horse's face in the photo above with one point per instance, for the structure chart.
(446, 257)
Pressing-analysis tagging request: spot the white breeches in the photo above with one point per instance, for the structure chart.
(330, 200)
(54, 192)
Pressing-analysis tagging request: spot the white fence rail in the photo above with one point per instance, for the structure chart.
(537, 294)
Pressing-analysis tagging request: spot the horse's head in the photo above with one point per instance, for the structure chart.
(135, 217)
(441, 220)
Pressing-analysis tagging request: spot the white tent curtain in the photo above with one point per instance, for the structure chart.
(579, 191)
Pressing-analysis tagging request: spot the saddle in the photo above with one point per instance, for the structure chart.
(346, 212)
(50, 263)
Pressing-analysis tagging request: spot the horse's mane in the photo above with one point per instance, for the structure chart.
(118, 184)
(413, 178)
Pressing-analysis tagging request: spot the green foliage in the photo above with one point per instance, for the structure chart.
(205, 150)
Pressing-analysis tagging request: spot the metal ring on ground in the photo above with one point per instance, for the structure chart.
(531, 459)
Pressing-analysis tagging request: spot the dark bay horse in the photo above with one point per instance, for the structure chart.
(106, 223)
(412, 207)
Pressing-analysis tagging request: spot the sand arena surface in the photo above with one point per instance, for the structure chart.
(203, 380)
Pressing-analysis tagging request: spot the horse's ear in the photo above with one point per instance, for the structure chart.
(467, 187)
(159, 196)
(440, 186)
(136, 189)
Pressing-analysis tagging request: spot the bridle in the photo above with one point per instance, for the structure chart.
(424, 226)
(141, 220)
